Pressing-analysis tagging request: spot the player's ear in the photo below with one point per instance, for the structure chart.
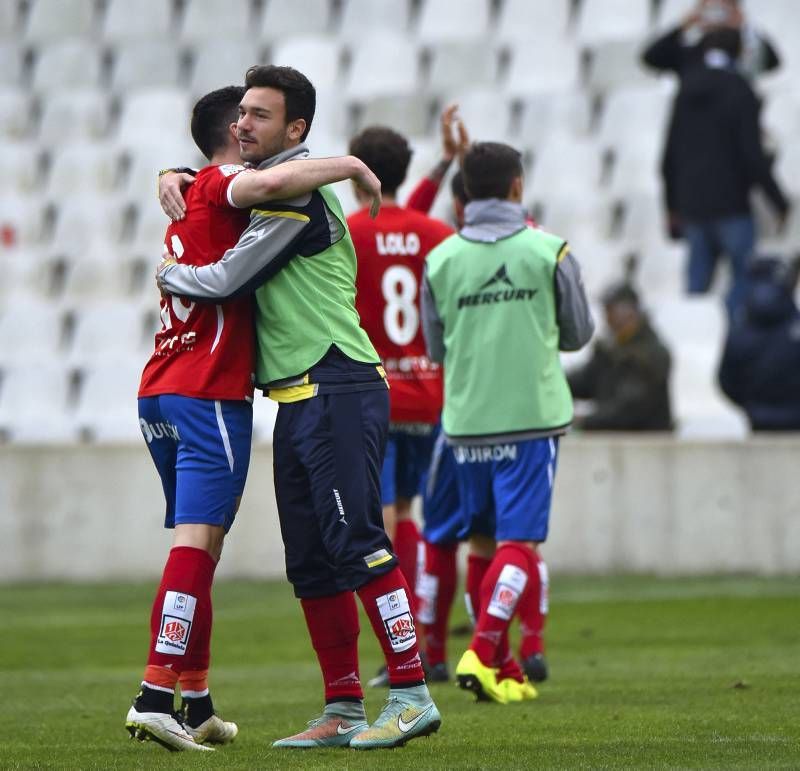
(296, 129)
(232, 129)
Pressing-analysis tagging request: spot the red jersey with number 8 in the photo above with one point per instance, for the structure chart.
(391, 252)
(204, 350)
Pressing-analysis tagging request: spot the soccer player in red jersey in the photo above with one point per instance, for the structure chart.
(391, 252)
(195, 408)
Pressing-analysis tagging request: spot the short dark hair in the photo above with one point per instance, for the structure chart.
(386, 152)
(622, 292)
(299, 94)
(211, 117)
(489, 168)
(457, 188)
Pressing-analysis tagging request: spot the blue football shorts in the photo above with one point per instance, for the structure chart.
(441, 512)
(408, 455)
(506, 489)
(201, 449)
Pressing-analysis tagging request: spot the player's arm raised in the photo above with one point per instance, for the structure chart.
(294, 178)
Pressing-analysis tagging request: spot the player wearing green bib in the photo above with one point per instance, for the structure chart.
(500, 300)
(316, 361)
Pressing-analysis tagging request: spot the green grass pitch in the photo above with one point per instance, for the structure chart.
(645, 673)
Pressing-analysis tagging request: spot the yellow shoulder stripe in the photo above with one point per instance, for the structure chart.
(562, 252)
(289, 215)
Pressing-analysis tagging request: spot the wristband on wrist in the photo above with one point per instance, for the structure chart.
(178, 170)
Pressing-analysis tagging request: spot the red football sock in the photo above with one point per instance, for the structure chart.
(533, 607)
(476, 570)
(180, 622)
(506, 663)
(406, 547)
(502, 586)
(333, 625)
(436, 588)
(386, 601)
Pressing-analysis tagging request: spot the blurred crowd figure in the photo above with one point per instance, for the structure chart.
(626, 379)
(681, 47)
(760, 367)
(713, 156)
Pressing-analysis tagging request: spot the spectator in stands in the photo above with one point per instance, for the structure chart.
(627, 376)
(681, 47)
(760, 368)
(712, 161)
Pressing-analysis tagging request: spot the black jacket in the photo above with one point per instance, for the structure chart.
(628, 382)
(713, 156)
(760, 368)
(669, 53)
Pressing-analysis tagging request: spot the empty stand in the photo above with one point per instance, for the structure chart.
(442, 20)
(363, 18)
(523, 21)
(12, 58)
(208, 21)
(603, 20)
(319, 58)
(223, 64)
(148, 63)
(280, 19)
(452, 64)
(52, 20)
(154, 116)
(385, 63)
(66, 65)
(549, 65)
(74, 116)
(139, 21)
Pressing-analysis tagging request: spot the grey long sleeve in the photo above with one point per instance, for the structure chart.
(261, 252)
(432, 325)
(574, 317)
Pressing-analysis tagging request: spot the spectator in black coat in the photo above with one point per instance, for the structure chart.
(712, 161)
(680, 48)
(627, 377)
(760, 367)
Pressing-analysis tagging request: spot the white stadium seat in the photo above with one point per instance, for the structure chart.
(142, 20)
(207, 21)
(567, 166)
(550, 65)
(318, 58)
(617, 63)
(223, 64)
(157, 115)
(546, 115)
(523, 21)
(34, 403)
(82, 220)
(279, 19)
(31, 329)
(15, 112)
(410, 114)
(76, 115)
(603, 20)
(67, 64)
(456, 63)
(107, 410)
(385, 63)
(9, 19)
(442, 20)
(149, 63)
(631, 112)
(147, 158)
(51, 20)
(11, 63)
(486, 113)
(671, 13)
(362, 18)
(90, 168)
(20, 167)
(111, 330)
(21, 218)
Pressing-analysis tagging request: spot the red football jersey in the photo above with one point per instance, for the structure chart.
(204, 350)
(391, 252)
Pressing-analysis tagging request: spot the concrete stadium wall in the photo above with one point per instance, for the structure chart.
(621, 504)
